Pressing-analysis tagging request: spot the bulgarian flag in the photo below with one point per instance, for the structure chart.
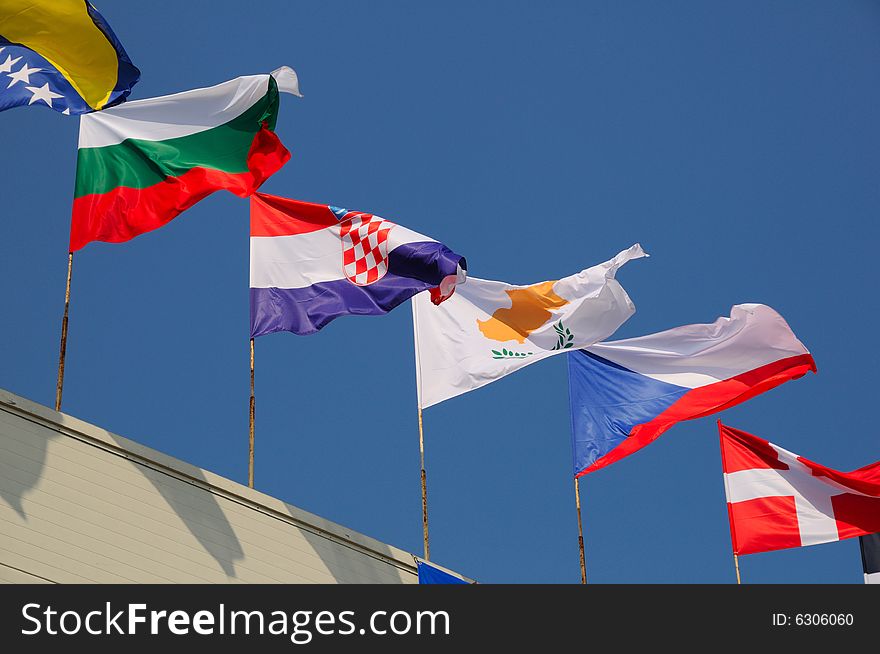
(144, 162)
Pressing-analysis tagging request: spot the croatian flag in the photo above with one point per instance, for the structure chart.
(777, 499)
(311, 263)
(624, 394)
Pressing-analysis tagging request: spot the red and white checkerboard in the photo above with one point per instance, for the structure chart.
(365, 248)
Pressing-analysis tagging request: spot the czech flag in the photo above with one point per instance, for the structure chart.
(625, 393)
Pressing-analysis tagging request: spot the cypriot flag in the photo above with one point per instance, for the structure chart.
(489, 329)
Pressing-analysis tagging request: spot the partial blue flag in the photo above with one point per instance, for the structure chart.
(432, 574)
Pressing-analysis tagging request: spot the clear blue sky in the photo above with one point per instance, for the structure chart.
(739, 142)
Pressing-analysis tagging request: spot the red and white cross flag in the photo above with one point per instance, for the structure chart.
(777, 499)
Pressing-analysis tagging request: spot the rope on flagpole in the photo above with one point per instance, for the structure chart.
(577, 500)
(59, 387)
(736, 563)
(424, 488)
(251, 425)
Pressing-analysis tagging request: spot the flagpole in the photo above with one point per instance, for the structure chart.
(251, 425)
(59, 387)
(577, 500)
(727, 495)
(424, 475)
(424, 488)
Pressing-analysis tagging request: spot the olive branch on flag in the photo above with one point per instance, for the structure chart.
(504, 353)
(566, 338)
(564, 341)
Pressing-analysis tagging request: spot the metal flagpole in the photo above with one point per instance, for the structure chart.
(727, 495)
(577, 500)
(424, 488)
(59, 387)
(415, 316)
(251, 425)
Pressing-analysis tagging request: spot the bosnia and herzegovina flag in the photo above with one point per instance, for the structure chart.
(144, 162)
(61, 54)
(624, 394)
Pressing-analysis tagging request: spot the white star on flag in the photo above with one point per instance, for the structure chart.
(23, 75)
(42, 93)
(6, 66)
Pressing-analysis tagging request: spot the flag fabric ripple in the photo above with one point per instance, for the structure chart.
(490, 329)
(61, 54)
(142, 163)
(312, 263)
(777, 499)
(624, 394)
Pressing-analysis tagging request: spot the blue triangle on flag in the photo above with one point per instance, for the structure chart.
(340, 213)
(429, 574)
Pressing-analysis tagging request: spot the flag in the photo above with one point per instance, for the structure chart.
(434, 574)
(141, 164)
(61, 54)
(777, 499)
(311, 263)
(870, 546)
(625, 393)
(490, 329)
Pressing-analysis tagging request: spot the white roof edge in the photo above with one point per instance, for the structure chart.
(211, 482)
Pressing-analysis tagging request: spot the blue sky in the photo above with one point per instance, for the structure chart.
(737, 141)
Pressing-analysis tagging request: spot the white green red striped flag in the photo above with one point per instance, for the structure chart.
(144, 162)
